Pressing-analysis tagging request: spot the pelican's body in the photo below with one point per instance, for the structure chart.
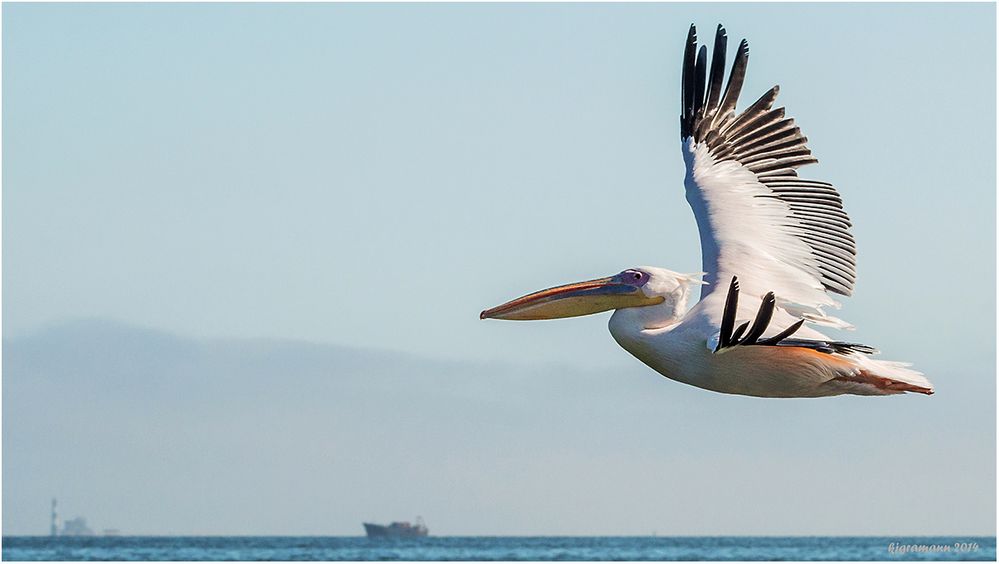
(679, 346)
(773, 247)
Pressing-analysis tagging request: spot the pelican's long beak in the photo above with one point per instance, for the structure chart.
(573, 300)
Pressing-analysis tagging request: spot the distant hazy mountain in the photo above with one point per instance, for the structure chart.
(149, 432)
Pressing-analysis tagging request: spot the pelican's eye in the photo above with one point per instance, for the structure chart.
(635, 277)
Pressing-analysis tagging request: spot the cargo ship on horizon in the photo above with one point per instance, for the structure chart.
(397, 529)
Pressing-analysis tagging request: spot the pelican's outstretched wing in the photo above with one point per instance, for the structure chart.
(757, 219)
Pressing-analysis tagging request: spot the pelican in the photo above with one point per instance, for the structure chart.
(773, 248)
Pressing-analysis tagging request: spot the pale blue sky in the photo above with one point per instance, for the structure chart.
(375, 175)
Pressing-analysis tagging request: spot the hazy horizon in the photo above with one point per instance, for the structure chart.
(245, 247)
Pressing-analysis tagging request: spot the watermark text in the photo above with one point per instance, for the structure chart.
(899, 548)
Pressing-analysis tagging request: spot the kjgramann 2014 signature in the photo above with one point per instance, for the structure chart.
(899, 548)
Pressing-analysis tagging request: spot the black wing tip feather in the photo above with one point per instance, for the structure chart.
(728, 315)
(762, 321)
(700, 80)
(716, 78)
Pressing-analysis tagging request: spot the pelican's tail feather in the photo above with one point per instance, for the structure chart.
(884, 377)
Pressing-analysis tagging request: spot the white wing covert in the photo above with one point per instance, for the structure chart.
(757, 219)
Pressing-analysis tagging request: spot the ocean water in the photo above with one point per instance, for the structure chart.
(500, 548)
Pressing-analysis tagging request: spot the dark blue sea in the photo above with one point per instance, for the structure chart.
(500, 548)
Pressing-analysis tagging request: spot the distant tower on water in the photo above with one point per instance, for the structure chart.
(54, 525)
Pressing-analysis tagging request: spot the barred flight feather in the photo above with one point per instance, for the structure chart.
(768, 144)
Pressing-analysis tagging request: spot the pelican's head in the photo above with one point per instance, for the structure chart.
(636, 287)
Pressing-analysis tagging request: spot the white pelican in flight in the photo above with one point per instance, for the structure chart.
(773, 247)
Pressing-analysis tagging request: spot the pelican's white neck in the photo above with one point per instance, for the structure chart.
(636, 328)
(658, 316)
